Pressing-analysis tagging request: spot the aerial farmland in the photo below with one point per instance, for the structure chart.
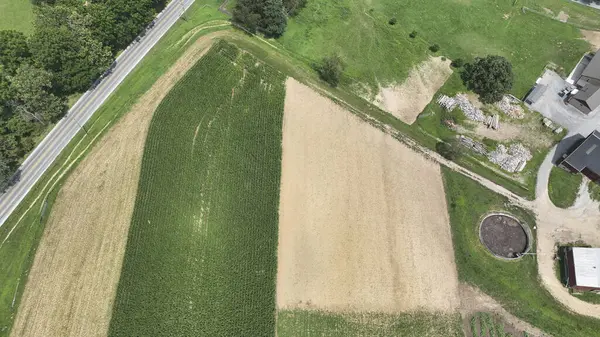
(244, 183)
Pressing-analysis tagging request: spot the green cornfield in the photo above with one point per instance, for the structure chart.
(201, 255)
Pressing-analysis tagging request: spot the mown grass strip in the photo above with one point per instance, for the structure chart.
(201, 256)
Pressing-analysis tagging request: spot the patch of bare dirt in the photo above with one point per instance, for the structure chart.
(473, 300)
(73, 280)
(504, 133)
(407, 100)
(593, 37)
(562, 16)
(363, 218)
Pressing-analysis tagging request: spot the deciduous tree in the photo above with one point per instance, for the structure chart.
(490, 77)
(32, 99)
(13, 50)
(330, 70)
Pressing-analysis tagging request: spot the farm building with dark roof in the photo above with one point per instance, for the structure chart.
(586, 97)
(585, 158)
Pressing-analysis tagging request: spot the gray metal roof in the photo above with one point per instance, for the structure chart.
(589, 95)
(587, 154)
(536, 93)
(593, 68)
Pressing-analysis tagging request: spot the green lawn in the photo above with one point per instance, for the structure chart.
(17, 15)
(20, 234)
(579, 15)
(563, 187)
(514, 284)
(376, 52)
(302, 323)
(594, 190)
(201, 256)
(588, 297)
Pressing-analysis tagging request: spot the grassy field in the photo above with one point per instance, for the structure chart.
(376, 52)
(563, 187)
(514, 284)
(484, 324)
(17, 15)
(579, 15)
(20, 234)
(594, 190)
(201, 255)
(300, 323)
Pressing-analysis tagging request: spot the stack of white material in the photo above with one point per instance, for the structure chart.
(510, 107)
(473, 145)
(472, 112)
(512, 159)
(446, 102)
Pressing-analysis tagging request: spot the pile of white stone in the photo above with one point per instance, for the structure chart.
(472, 145)
(510, 106)
(512, 159)
(462, 101)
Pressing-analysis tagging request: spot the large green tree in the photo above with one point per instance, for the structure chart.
(490, 77)
(32, 99)
(117, 22)
(292, 7)
(5, 172)
(273, 19)
(266, 16)
(64, 44)
(13, 50)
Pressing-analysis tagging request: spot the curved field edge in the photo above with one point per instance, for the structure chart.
(201, 255)
(513, 284)
(20, 234)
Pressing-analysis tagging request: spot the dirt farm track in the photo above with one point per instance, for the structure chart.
(354, 233)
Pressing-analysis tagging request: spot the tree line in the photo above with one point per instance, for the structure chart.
(73, 43)
(266, 16)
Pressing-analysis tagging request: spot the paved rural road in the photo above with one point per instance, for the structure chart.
(46, 152)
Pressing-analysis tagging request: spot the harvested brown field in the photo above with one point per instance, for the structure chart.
(73, 279)
(363, 219)
(593, 37)
(407, 100)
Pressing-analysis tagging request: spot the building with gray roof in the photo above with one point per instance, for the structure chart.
(585, 158)
(587, 96)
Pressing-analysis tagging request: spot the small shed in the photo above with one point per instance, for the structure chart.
(582, 266)
(536, 93)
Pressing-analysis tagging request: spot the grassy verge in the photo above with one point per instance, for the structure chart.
(563, 187)
(20, 234)
(304, 323)
(201, 256)
(588, 297)
(484, 324)
(514, 284)
(594, 190)
(578, 15)
(17, 15)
